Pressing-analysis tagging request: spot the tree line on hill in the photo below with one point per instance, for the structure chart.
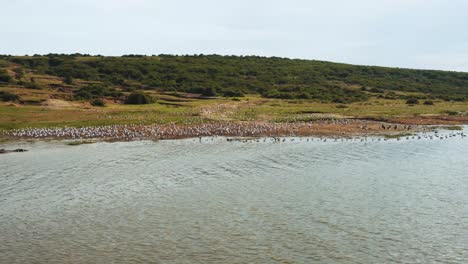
(234, 76)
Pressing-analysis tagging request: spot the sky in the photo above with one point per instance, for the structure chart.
(423, 34)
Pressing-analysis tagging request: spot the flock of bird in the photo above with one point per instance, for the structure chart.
(271, 132)
(169, 131)
(420, 136)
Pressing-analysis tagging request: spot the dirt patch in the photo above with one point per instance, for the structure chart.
(12, 104)
(56, 103)
(219, 111)
(431, 120)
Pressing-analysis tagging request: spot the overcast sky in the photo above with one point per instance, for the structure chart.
(429, 34)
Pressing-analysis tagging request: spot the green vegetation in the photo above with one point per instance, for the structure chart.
(210, 91)
(68, 80)
(98, 102)
(5, 77)
(412, 101)
(96, 91)
(8, 97)
(138, 98)
(233, 76)
(452, 113)
(233, 93)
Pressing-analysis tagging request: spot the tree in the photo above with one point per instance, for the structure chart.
(139, 98)
(68, 80)
(7, 96)
(98, 102)
(209, 92)
(412, 101)
(233, 93)
(4, 77)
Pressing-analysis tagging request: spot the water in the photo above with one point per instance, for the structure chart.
(232, 202)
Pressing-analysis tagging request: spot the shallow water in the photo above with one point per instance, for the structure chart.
(232, 202)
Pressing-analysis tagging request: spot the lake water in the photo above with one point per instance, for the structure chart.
(232, 202)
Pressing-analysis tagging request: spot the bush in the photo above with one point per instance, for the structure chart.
(8, 97)
(68, 80)
(33, 85)
(98, 102)
(376, 90)
(4, 77)
(139, 98)
(94, 91)
(129, 89)
(209, 92)
(233, 93)
(303, 96)
(452, 113)
(428, 102)
(412, 101)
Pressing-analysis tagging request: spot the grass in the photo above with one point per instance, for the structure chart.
(190, 111)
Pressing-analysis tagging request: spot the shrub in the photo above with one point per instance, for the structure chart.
(8, 97)
(428, 102)
(98, 102)
(94, 91)
(112, 92)
(4, 77)
(209, 92)
(303, 96)
(376, 90)
(33, 85)
(233, 93)
(338, 101)
(139, 98)
(459, 99)
(452, 113)
(391, 95)
(68, 80)
(412, 101)
(129, 89)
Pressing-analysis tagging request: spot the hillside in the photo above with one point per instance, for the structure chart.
(228, 76)
(82, 91)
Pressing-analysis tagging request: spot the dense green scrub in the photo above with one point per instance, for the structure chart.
(235, 76)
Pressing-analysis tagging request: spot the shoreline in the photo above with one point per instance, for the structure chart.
(330, 128)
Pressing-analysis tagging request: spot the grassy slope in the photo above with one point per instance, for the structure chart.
(271, 77)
